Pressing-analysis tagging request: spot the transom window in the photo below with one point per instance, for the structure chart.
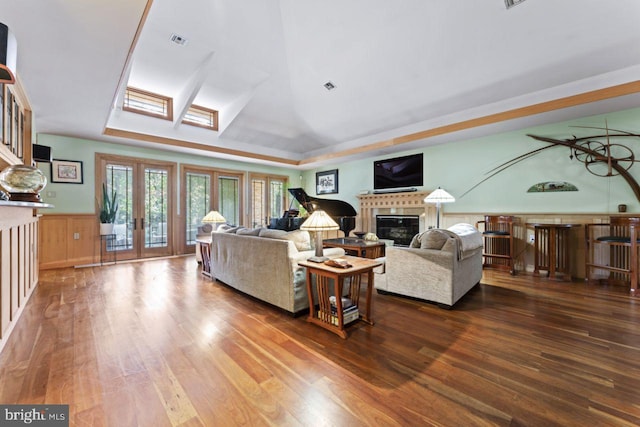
(201, 116)
(151, 104)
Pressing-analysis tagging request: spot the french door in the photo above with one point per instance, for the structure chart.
(144, 190)
(267, 198)
(206, 189)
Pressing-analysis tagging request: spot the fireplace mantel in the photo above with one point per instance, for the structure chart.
(405, 203)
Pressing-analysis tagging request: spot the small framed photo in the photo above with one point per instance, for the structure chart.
(327, 182)
(66, 171)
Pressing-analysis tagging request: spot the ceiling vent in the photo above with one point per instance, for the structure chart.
(329, 86)
(179, 39)
(511, 3)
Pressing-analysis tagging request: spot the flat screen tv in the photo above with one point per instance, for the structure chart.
(406, 171)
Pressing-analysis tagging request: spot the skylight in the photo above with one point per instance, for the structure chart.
(201, 116)
(151, 104)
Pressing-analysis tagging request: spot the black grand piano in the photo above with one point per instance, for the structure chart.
(341, 212)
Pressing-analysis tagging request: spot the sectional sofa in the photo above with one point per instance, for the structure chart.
(263, 263)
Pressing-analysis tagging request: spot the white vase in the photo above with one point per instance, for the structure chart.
(106, 229)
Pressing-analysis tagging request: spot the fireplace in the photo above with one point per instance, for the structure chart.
(399, 228)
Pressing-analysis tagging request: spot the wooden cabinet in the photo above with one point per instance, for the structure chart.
(15, 126)
(18, 262)
(18, 220)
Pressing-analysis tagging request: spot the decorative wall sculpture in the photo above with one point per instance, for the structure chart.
(597, 153)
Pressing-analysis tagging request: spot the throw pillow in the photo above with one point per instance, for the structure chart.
(415, 242)
(433, 239)
(300, 238)
(249, 231)
(230, 230)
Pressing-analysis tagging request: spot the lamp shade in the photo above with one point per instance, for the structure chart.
(439, 196)
(319, 221)
(213, 217)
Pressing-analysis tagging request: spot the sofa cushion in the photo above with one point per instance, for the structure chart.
(300, 238)
(249, 231)
(271, 233)
(433, 239)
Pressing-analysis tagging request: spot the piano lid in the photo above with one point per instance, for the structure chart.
(334, 208)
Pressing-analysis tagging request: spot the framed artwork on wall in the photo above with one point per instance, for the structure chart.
(327, 182)
(66, 171)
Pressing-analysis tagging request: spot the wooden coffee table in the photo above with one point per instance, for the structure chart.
(358, 247)
(331, 281)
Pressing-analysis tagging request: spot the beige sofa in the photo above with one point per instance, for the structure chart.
(439, 266)
(266, 267)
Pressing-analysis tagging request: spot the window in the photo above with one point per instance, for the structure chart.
(205, 189)
(198, 186)
(150, 104)
(267, 198)
(229, 198)
(201, 116)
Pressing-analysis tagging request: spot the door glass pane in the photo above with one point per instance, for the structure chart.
(155, 208)
(276, 199)
(197, 205)
(120, 179)
(258, 198)
(229, 199)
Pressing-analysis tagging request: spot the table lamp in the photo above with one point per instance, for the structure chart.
(214, 217)
(318, 222)
(438, 197)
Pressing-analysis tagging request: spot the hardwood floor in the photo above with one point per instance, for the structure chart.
(156, 343)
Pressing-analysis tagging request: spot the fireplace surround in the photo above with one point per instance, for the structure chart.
(399, 228)
(396, 204)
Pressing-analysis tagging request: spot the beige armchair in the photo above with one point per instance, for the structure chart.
(440, 266)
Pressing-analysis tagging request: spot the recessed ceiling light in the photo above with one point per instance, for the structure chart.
(511, 3)
(329, 86)
(177, 39)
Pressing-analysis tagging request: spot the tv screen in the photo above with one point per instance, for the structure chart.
(398, 172)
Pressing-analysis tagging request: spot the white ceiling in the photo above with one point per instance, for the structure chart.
(399, 67)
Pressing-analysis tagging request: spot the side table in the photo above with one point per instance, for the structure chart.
(338, 277)
(552, 255)
(205, 254)
(107, 241)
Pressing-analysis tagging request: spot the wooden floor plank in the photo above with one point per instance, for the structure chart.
(157, 343)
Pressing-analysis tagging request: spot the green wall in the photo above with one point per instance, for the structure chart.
(458, 166)
(80, 198)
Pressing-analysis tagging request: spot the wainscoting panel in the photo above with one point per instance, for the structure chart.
(67, 240)
(18, 264)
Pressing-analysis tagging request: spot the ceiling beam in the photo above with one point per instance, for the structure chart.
(516, 113)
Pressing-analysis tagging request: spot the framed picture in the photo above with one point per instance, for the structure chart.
(66, 171)
(327, 182)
